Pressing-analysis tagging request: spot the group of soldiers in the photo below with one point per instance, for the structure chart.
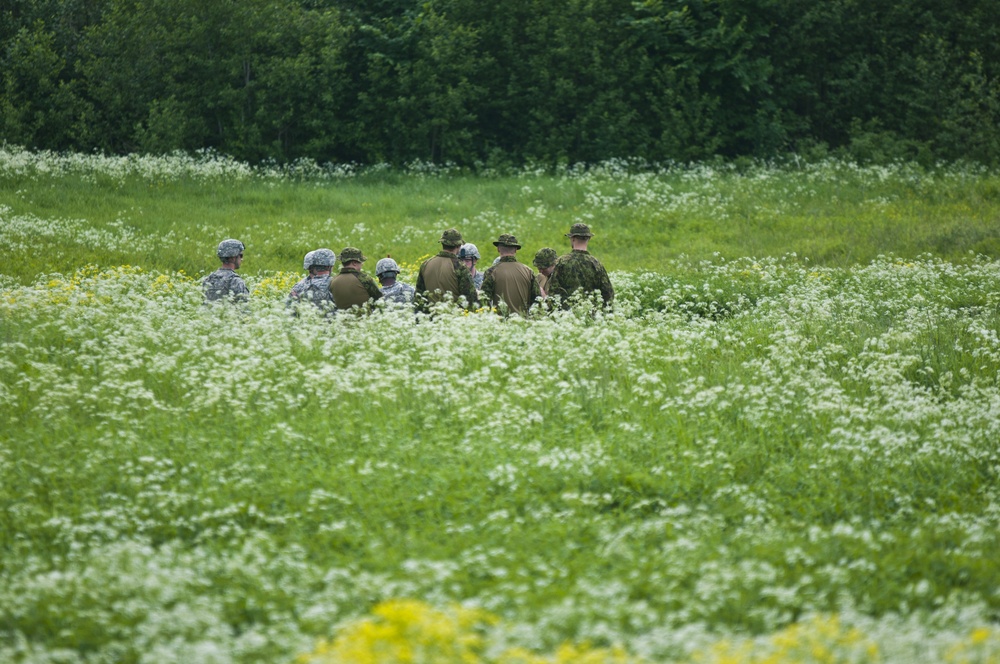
(507, 286)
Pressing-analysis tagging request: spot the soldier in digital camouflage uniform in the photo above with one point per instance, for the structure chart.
(224, 284)
(578, 271)
(545, 261)
(352, 287)
(315, 288)
(386, 270)
(510, 286)
(445, 274)
(468, 253)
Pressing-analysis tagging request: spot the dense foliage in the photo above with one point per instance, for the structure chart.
(512, 82)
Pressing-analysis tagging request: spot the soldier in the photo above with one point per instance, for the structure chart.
(469, 254)
(352, 287)
(316, 287)
(578, 271)
(545, 261)
(445, 273)
(224, 283)
(510, 286)
(387, 270)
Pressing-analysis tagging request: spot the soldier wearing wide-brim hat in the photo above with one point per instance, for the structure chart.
(352, 287)
(578, 271)
(446, 275)
(510, 286)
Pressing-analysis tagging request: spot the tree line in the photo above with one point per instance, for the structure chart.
(511, 82)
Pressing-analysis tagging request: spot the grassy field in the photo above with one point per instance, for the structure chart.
(782, 445)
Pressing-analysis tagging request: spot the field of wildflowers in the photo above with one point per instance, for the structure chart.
(749, 460)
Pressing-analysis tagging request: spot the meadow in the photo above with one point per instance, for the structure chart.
(781, 444)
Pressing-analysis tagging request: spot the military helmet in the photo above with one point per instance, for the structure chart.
(507, 240)
(385, 265)
(579, 230)
(307, 261)
(323, 258)
(469, 251)
(451, 238)
(546, 257)
(230, 249)
(351, 254)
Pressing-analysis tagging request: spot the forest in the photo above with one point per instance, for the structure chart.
(487, 85)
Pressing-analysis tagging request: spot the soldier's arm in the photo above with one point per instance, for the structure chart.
(607, 290)
(374, 292)
(536, 291)
(489, 288)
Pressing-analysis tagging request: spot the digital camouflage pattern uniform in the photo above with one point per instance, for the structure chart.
(399, 293)
(510, 286)
(578, 271)
(224, 284)
(353, 288)
(445, 273)
(315, 288)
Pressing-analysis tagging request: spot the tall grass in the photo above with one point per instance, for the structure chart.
(752, 457)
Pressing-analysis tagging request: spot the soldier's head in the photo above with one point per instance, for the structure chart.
(386, 270)
(230, 252)
(579, 235)
(469, 254)
(545, 260)
(451, 240)
(351, 257)
(322, 261)
(507, 245)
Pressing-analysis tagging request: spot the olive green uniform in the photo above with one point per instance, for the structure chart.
(353, 288)
(444, 274)
(512, 283)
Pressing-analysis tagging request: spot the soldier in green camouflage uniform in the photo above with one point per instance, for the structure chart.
(545, 261)
(510, 286)
(224, 284)
(352, 287)
(445, 274)
(579, 272)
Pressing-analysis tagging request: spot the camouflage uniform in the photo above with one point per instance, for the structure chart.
(224, 283)
(470, 251)
(510, 286)
(353, 288)
(579, 271)
(444, 274)
(546, 257)
(399, 292)
(315, 288)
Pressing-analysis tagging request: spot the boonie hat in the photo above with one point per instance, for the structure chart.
(385, 265)
(352, 254)
(579, 230)
(546, 257)
(451, 238)
(507, 240)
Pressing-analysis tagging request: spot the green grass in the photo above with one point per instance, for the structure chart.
(749, 442)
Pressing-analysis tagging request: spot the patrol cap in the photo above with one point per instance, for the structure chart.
(307, 262)
(385, 265)
(352, 254)
(323, 258)
(579, 230)
(451, 238)
(507, 240)
(230, 249)
(469, 251)
(546, 257)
